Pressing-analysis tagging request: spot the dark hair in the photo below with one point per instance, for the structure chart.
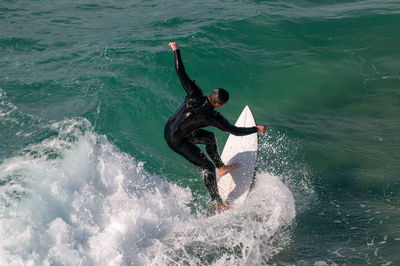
(219, 95)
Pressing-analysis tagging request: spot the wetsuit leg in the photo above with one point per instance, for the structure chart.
(194, 155)
(202, 136)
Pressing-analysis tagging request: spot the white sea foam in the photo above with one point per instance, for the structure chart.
(75, 199)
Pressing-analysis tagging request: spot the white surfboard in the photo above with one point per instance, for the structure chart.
(235, 185)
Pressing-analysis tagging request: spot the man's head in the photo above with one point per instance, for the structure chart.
(218, 97)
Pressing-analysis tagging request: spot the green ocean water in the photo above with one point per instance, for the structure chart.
(86, 88)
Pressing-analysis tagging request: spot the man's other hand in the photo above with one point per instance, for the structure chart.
(261, 129)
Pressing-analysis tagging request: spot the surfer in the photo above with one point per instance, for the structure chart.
(184, 129)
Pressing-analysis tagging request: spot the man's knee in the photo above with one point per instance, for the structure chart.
(204, 137)
(210, 135)
(211, 139)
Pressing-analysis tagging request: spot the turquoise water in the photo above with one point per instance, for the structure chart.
(87, 86)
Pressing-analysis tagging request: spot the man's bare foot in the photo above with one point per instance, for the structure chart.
(223, 170)
(222, 207)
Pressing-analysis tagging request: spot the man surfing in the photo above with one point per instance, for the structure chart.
(184, 129)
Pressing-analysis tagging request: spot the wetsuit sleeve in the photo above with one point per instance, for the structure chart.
(188, 84)
(223, 124)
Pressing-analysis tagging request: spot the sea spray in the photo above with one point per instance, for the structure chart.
(60, 196)
(283, 157)
(75, 199)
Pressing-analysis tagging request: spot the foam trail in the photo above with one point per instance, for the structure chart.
(245, 236)
(75, 199)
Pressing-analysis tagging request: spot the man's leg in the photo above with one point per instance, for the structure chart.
(202, 136)
(207, 138)
(194, 155)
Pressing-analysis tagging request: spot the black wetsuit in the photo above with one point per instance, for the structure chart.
(183, 129)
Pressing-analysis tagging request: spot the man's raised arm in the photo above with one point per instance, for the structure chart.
(188, 84)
